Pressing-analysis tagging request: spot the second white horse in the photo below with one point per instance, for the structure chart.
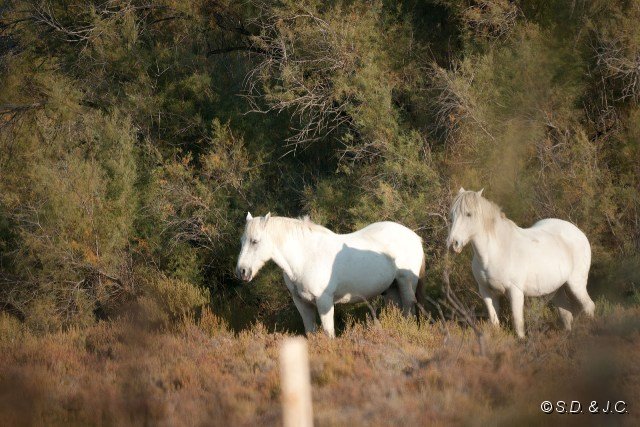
(553, 256)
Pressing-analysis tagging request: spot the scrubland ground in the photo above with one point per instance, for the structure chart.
(128, 372)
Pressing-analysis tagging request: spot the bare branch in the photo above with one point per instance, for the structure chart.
(458, 307)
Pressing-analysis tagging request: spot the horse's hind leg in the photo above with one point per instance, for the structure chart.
(392, 296)
(563, 304)
(578, 288)
(407, 288)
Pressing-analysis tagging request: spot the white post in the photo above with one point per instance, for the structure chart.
(295, 383)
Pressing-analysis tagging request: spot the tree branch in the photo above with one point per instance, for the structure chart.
(236, 49)
(15, 108)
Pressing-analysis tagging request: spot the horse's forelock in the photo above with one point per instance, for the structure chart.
(473, 203)
(254, 226)
(466, 202)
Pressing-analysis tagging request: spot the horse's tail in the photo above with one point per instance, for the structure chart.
(420, 290)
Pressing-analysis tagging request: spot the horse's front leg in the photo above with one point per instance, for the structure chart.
(307, 310)
(325, 308)
(517, 308)
(492, 302)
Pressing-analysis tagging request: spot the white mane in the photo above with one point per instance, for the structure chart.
(280, 227)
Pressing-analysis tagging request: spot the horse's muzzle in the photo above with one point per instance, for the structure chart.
(456, 245)
(243, 273)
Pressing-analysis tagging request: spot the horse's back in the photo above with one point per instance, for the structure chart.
(369, 260)
(389, 234)
(569, 232)
(396, 241)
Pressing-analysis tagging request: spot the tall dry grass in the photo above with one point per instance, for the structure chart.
(394, 371)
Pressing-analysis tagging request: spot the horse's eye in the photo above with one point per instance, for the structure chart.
(254, 242)
(469, 214)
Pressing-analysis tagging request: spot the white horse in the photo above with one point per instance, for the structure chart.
(551, 256)
(321, 268)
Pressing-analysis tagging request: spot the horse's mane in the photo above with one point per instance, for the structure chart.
(473, 203)
(301, 224)
(280, 226)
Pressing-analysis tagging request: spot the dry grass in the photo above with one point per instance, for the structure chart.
(200, 373)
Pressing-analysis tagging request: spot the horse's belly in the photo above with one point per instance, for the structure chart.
(543, 282)
(546, 272)
(363, 277)
(537, 283)
(363, 287)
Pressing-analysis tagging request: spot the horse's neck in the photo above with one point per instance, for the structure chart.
(289, 253)
(492, 244)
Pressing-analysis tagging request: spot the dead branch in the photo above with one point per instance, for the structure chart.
(17, 108)
(372, 310)
(619, 65)
(299, 80)
(230, 49)
(461, 309)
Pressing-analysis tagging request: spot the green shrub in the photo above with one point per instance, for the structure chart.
(173, 297)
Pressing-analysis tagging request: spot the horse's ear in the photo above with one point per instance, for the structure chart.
(461, 190)
(480, 192)
(249, 217)
(267, 216)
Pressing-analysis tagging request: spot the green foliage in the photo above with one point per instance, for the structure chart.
(168, 298)
(69, 197)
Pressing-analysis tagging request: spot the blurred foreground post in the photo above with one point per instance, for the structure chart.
(295, 383)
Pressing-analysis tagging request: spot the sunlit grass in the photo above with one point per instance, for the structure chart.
(392, 371)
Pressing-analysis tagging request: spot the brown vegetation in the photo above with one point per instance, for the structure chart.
(200, 373)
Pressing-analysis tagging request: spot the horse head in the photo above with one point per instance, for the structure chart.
(466, 218)
(256, 249)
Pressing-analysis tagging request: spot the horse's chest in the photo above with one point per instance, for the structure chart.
(495, 279)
